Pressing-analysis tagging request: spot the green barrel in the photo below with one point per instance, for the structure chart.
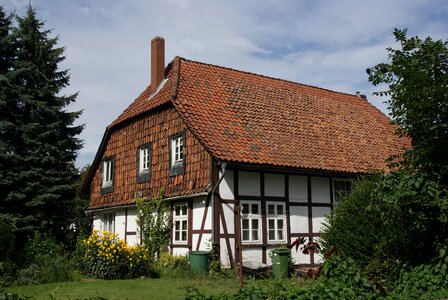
(199, 261)
(280, 262)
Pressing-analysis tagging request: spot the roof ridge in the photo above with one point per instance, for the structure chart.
(270, 77)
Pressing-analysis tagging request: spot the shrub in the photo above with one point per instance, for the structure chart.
(108, 257)
(353, 227)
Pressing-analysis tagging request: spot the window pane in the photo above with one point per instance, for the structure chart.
(271, 209)
(245, 235)
(184, 235)
(245, 208)
(177, 211)
(271, 223)
(279, 235)
(271, 234)
(255, 235)
(176, 235)
(184, 225)
(177, 225)
(279, 209)
(254, 224)
(255, 209)
(184, 210)
(245, 224)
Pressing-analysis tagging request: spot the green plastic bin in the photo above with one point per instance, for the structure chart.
(199, 261)
(280, 262)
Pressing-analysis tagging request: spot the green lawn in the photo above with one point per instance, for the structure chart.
(159, 288)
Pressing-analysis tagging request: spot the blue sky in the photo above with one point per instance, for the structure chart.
(327, 44)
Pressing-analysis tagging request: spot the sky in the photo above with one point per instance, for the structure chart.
(324, 43)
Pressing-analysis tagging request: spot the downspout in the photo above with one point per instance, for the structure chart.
(221, 177)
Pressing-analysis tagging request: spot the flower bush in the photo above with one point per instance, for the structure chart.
(108, 257)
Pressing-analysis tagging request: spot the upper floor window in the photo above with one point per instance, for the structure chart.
(107, 184)
(276, 221)
(180, 220)
(250, 221)
(143, 163)
(176, 147)
(341, 187)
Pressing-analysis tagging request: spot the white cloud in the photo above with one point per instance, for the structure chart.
(324, 43)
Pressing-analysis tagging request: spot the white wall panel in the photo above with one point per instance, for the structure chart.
(319, 214)
(198, 214)
(120, 222)
(298, 219)
(298, 189)
(97, 222)
(132, 240)
(320, 190)
(249, 183)
(252, 254)
(226, 187)
(229, 217)
(274, 185)
(225, 255)
(180, 251)
(132, 219)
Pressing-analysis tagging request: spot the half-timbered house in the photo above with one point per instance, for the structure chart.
(247, 161)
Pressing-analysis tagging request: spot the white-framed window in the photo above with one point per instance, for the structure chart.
(177, 163)
(251, 221)
(107, 182)
(341, 187)
(276, 221)
(180, 223)
(143, 163)
(109, 222)
(144, 159)
(177, 150)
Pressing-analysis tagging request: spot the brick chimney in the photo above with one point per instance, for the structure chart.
(157, 61)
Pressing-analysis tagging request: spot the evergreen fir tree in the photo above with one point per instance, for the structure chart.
(45, 145)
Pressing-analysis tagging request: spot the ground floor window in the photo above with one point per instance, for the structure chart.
(180, 223)
(109, 222)
(250, 221)
(341, 188)
(276, 221)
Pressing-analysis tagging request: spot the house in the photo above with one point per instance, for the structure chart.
(247, 161)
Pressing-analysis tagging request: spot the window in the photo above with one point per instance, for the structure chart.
(341, 188)
(107, 185)
(109, 222)
(143, 163)
(180, 219)
(177, 164)
(276, 220)
(250, 221)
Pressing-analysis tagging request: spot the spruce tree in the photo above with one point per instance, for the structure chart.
(42, 172)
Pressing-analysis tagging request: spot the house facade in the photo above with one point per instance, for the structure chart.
(247, 162)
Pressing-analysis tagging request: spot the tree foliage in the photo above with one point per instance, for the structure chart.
(417, 79)
(37, 133)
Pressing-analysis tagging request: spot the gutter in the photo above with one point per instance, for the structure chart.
(221, 177)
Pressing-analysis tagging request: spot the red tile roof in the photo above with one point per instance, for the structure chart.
(247, 118)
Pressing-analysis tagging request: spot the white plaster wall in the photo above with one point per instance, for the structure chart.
(120, 219)
(97, 223)
(298, 257)
(249, 184)
(274, 185)
(198, 214)
(205, 242)
(132, 240)
(298, 190)
(225, 255)
(226, 187)
(132, 219)
(180, 251)
(320, 190)
(252, 254)
(319, 214)
(298, 219)
(229, 217)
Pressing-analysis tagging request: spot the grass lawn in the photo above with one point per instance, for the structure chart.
(158, 288)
